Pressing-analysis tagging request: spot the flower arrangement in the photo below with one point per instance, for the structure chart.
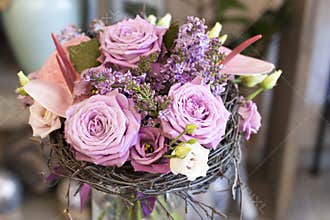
(142, 108)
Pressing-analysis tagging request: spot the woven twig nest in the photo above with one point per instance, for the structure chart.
(124, 181)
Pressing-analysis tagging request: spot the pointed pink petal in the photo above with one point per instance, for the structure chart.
(244, 65)
(51, 71)
(53, 97)
(67, 69)
(84, 193)
(240, 48)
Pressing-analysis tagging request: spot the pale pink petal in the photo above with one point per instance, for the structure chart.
(53, 97)
(244, 65)
(51, 71)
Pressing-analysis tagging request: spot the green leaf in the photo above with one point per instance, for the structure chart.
(171, 35)
(84, 55)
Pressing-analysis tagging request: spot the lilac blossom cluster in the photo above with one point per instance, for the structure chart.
(188, 58)
(194, 54)
(103, 79)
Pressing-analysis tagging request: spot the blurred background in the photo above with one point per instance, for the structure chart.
(286, 169)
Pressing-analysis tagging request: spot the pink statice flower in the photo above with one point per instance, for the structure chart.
(147, 154)
(103, 128)
(194, 103)
(125, 42)
(250, 119)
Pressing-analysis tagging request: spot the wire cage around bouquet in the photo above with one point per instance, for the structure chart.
(125, 182)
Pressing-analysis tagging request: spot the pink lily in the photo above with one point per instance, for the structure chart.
(54, 86)
(237, 64)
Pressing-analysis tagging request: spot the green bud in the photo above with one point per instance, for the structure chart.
(271, 80)
(182, 150)
(223, 38)
(21, 91)
(23, 79)
(165, 21)
(252, 80)
(152, 19)
(192, 141)
(190, 128)
(215, 31)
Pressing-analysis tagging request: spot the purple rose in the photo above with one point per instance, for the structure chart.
(250, 119)
(125, 42)
(103, 128)
(193, 103)
(147, 154)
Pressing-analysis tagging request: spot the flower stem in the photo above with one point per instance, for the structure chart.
(130, 213)
(138, 210)
(177, 138)
(237, 80)
(254, 94)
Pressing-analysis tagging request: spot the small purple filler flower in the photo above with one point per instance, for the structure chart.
(146, 155)
(103, 128)
(251, 119)
(125, 42)
(193, 103)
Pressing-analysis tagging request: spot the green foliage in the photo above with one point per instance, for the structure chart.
(84, 55)
(171, 35)
(145, 99)
(144, 65)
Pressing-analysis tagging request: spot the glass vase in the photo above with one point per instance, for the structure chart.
(112, 207)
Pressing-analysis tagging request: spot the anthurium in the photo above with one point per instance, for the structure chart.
(237, 64)
(53, 88)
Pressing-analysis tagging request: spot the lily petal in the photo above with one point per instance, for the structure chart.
(53, 97)
(244, 65)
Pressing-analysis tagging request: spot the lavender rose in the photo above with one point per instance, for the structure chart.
(250, 119)
(125, 42)
(146, 155)
(193, 103)
(103, 128)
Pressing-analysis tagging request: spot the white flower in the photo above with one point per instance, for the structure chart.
(215, 31)
(42, 121)
(165, 21)
(194, 164)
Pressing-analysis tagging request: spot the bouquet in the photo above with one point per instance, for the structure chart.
(145, 107)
